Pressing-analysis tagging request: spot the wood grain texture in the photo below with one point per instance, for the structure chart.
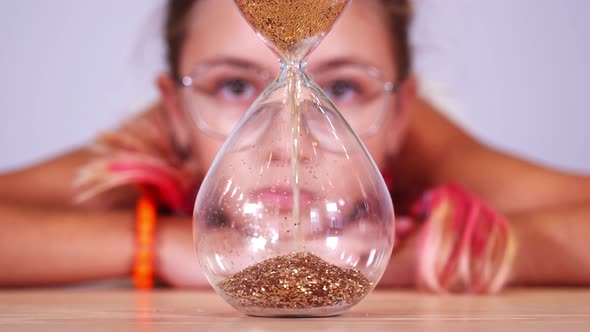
(533, 309)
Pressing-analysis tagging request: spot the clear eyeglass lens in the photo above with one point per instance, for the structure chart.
(222, 93)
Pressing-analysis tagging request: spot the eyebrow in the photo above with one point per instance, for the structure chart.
(339, 62)
(232, 61)
(330, 63)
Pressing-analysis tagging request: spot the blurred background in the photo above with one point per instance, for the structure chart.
(515, 74)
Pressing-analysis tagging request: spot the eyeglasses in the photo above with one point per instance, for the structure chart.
(219, 94)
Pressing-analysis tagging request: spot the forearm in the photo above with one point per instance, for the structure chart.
(40, 246)
(553, 246)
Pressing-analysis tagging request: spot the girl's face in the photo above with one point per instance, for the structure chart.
(218, 34)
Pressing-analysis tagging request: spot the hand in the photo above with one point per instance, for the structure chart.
(453, 242)
(176, 259)
(464, 245)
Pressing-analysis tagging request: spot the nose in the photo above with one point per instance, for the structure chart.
(292, 139)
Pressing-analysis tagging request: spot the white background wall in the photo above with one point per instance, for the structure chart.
(69, 68)
(515, 73)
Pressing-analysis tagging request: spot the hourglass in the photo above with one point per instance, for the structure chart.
(293, 217)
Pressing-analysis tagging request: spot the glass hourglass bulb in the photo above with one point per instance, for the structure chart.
(293, 217)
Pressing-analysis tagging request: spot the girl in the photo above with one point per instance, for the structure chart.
(49, 237)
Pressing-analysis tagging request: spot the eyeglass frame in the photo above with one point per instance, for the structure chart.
(187, 81)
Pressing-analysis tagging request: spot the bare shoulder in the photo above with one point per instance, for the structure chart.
(46, 183)
(51, 183)
(438, 151)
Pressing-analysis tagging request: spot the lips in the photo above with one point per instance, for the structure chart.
(281, 197)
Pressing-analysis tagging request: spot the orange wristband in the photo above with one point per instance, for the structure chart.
(145, 226)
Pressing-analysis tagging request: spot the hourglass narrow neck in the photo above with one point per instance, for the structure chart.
(294, 70)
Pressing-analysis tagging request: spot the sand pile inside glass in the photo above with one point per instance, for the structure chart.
(295, 281)
(286, 23)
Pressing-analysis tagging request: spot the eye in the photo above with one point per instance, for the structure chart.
(236, 90)
(341, 90)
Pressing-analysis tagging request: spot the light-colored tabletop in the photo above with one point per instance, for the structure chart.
(175, 310)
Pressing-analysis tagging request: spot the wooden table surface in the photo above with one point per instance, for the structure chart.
(535, 309)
